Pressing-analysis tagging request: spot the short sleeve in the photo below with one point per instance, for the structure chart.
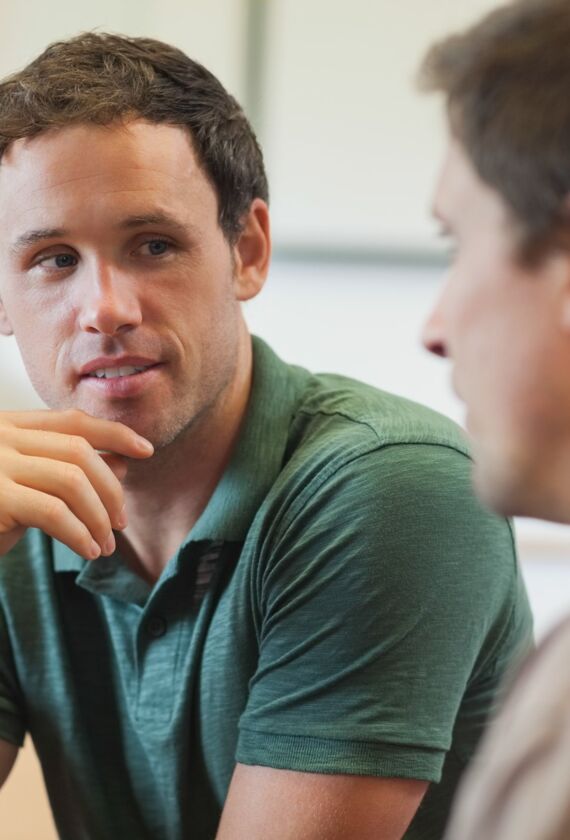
(383, 590)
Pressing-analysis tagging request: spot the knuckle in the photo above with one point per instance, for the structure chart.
(75, 416)
(79, 449)
(54, 509)
(72, 477)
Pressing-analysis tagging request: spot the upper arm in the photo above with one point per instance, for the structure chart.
(288, 805)
(8, 753)
(379, 593)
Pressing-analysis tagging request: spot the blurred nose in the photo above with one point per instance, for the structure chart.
(433, 333)
(109, 303)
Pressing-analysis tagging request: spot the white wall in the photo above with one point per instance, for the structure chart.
(211, 31)
(351, 145)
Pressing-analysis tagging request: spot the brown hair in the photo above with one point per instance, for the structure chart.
(102, 78)
(507, 85)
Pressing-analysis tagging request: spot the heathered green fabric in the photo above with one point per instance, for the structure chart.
(343, 605)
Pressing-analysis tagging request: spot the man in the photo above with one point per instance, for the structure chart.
(504, 320)
(228, 585)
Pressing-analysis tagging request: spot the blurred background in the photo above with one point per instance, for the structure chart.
(352, 151)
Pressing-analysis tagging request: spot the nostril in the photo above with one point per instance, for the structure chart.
(437, 348)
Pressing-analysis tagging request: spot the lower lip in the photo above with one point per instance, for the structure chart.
(123, 386)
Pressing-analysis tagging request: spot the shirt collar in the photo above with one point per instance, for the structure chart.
(260, 450)
(256, 461)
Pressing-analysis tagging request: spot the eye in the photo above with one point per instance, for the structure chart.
(60, 261)
(154, 247)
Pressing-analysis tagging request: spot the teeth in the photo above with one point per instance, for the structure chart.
(113, 373)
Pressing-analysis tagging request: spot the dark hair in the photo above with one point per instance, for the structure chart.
(102, 79)
(507, 85)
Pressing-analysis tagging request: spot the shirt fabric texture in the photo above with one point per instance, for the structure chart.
(343, 605)
(519, 785)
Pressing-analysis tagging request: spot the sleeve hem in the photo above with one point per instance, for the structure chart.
(319, 755)
(14, 735)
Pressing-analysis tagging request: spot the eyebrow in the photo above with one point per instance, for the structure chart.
(159, 218)
(32, 237)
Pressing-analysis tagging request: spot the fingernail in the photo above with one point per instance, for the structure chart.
(109, 545)
(94, 551)
(145, 444)
(122, 518)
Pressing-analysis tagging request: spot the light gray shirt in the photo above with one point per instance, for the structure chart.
(518, 787)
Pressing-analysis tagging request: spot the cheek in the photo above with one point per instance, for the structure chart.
(41, 330)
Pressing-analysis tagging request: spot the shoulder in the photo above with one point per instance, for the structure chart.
(349, 441)
(386, 418)
(538, 697)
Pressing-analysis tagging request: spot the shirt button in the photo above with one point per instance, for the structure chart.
(156, 626)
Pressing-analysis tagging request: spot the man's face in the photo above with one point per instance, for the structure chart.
(112, 260)
(506, 330)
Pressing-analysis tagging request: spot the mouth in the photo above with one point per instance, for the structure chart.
(117, 372)
(127, 376)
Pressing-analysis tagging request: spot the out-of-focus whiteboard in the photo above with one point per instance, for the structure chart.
(211, 31)
(352, 147)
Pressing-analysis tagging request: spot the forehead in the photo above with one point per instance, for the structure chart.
(462, 197)
(86, 166)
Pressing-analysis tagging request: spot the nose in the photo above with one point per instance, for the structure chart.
(433, 334)
(109, 303)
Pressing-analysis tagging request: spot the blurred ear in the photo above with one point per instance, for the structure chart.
(5, 326)
(252, 252)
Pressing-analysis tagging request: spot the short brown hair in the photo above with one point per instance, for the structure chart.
(102, 78)
(507, 85)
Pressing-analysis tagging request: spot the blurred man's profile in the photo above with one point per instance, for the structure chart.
(503, 319)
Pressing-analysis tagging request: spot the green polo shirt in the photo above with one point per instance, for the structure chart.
(343, 605)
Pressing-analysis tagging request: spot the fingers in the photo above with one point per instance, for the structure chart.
(106, 435)
(54, 476)
(70, 484)
(101, 472)
(52, 515)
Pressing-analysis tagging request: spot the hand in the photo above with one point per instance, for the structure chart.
(53, 478)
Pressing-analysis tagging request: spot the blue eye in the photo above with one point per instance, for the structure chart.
(157, 247)
(61, 261)
(65, 260)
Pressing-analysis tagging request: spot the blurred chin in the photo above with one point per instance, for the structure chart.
(495, 492)
(502, 481)
(513, 488)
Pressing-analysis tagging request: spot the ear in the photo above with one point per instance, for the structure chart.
(557, 268)
(5, 325)
(252, 252)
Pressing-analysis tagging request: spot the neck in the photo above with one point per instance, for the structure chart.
(166, 495)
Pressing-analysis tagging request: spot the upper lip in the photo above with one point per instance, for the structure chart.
(106, 362)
